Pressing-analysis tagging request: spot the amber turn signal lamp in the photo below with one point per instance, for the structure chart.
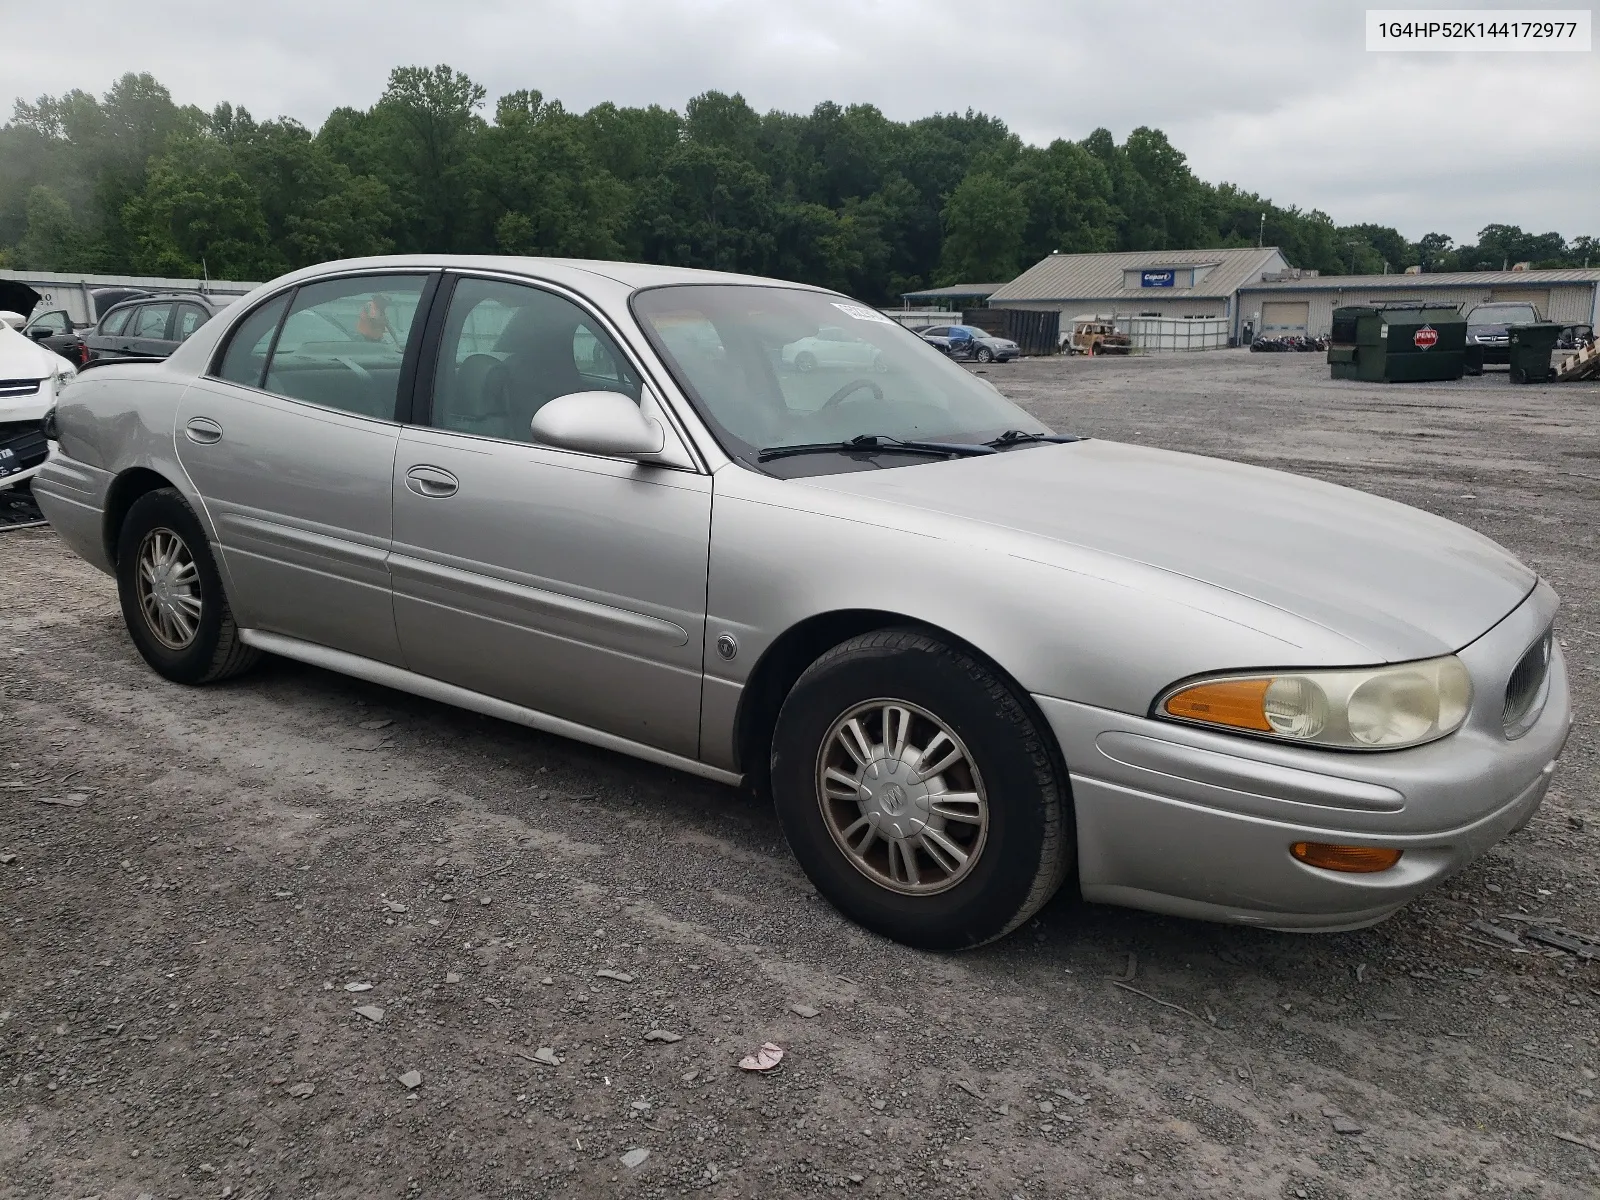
(1240, 703)
(1360, 860)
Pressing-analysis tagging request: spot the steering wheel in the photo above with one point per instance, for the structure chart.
(855, 385)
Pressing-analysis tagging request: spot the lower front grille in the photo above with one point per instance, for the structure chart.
(1526, 689)
(22, 446)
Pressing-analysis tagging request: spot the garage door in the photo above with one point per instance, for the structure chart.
(1538, 297)
(1281, 316)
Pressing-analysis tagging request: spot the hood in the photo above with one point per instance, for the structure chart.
(17, 297)
(1399, 581)
(23, 358)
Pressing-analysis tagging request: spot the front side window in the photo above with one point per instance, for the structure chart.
(767, 367)
(150, 321)
(344, 341)
(190, 318)
(56, 322)
(116, 322)
(509, 349)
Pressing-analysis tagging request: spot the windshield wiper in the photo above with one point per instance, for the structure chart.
(1015, 437)
(871, 442)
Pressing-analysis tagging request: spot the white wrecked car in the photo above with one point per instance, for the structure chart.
(30, 377)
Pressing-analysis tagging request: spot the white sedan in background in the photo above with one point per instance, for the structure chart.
(832, 347)
(30, 377)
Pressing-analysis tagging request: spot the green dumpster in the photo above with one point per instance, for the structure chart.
(1531, 347)
(1398, 343)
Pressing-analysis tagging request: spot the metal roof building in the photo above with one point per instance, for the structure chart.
(1306, 305)
(1182, 284)
(958, 291)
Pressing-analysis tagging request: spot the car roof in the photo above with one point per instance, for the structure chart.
(629, 274)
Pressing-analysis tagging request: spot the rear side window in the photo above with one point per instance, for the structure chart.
(245, 360)
(344, 341)
(116, 322)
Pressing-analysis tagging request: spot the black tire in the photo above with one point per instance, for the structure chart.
(214, 652)
(805, 362)
(1518, 375)
(984, 355)
(1028, 846)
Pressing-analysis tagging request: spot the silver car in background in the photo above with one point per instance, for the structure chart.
(969, 659)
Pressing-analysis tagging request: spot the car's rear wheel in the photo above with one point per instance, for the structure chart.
(919, 792)
(171, 593)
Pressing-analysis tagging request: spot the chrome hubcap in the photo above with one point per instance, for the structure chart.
(901, 797)
(168, 586)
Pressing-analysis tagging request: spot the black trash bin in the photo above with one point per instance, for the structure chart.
(1531, 347)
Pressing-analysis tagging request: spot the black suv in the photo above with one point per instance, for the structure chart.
(56, 330)
(1489, 327)
(151, 327)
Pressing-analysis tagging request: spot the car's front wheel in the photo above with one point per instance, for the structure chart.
(919, 792)
(805, 361)
(171, 593)
(984, 354)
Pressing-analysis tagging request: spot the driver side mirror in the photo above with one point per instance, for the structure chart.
(598, 423)
(39, 332)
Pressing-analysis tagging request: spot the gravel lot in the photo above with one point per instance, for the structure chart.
(183, 931)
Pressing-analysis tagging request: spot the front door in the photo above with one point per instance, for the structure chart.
(291, 444)
(572, 584)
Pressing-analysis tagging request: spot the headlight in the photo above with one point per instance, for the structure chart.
(1369, 708)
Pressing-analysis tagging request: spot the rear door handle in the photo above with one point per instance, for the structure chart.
(203, 430)
(433, 482)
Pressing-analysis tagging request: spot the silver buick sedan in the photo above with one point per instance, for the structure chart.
(970, 659)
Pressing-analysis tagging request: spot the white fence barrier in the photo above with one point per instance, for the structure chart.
(1157, 335)
(917, 318)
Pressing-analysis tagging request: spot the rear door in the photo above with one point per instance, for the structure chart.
(291, 443)
(103, 340)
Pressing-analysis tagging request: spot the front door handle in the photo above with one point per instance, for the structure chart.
(203, 430)
(432, 482)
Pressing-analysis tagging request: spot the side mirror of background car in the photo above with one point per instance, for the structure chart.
(598, 423)
(39, 332)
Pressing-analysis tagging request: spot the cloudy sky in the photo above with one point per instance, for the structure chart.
(1282, 99)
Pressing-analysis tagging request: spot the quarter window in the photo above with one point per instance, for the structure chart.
(508, 350)
(245, 360)
(150, 321)
(344, 341)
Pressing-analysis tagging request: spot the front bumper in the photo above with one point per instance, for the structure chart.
(1184, 821)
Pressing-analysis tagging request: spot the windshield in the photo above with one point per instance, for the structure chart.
(1502, 314)
(770, 366)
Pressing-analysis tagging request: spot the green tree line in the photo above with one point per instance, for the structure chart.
(134, 183)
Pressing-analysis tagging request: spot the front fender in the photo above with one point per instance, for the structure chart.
(1061, 621)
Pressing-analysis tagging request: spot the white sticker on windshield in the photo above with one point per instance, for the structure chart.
(862, 313)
